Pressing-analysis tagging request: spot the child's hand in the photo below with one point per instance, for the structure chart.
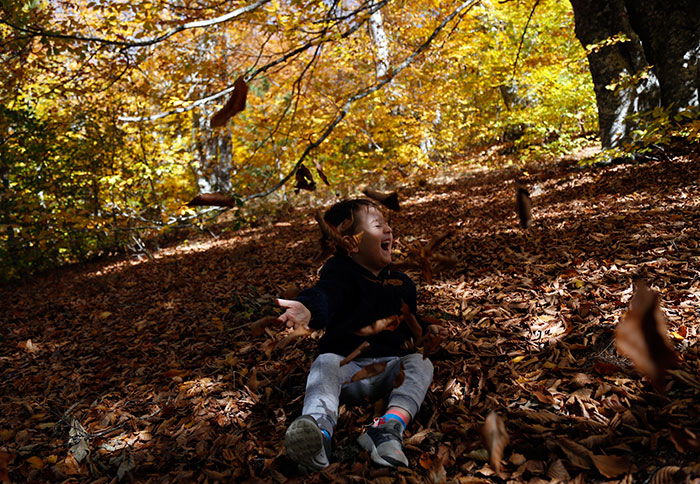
(296, 315)
(437, 334)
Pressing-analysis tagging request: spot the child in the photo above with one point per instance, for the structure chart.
(355, 289)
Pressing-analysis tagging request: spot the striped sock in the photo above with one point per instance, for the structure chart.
(391, 416)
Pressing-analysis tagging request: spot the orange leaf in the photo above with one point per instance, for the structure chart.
(642, 337)
(400, 377)
(234, 105)
(369, 371)
(36, 462)
(495, 439)
(321, 175)
(384, 324)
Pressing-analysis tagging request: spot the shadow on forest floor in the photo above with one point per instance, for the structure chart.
(148, 369)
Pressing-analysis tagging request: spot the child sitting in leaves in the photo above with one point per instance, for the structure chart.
(362, 305)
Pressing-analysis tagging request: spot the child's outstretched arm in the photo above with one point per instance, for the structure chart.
(296, 315)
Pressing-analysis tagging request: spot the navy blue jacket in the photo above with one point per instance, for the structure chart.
(348, 297)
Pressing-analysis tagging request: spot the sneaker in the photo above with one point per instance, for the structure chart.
(307, 445)
(383, 443)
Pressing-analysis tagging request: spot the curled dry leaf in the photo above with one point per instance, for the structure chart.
(356, 352)
(495, 438)
(437, 473)
(304, 179)
(411, 321)
(369, 371)
(257, 328)
(524, 204)
(577, 454)
(212, 200)
(334, 234)
(642, 337)
(400, 376)
(384, 324)
(666, 475)
(611, 465)
(389, 199)
(291, 337)
(321, 175)
(234, 105)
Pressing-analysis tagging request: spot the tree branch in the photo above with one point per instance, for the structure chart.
(252, 75)
(140, 43)
(522, 38)
(361, 94)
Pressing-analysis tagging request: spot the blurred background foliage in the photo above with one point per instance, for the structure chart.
(81, 180)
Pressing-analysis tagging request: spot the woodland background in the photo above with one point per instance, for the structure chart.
(128, 343)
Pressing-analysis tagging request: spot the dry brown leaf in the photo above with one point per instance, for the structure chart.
(291, 337)
(437, 473)
(335, 234)
(384, 324)
(411, 321)
(666, 475)
(685, 440)
(321, 175)
(611, 465)
(642, 337)
(355, 353)
(577, 454)
(400, 376)
(212, 200)
(257, 328)
(234, 105)
(524, 204)
(389, 199)
(557, 472)
(369, 371)
(495, 438)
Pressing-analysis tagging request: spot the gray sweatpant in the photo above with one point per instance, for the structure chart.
(328, 384)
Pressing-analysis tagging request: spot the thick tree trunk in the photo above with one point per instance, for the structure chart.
(657, 66)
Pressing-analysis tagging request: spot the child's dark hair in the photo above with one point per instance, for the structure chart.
(342, 216)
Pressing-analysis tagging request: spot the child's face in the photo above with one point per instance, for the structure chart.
(374, 250)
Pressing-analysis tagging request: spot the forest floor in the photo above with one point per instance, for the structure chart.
(147, 370)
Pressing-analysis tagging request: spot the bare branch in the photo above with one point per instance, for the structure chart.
(522, 38)
(249, 77)
(33, 32)
(361, 94)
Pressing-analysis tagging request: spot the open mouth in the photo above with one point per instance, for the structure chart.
(386, 245)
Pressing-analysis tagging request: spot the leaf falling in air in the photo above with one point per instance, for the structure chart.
(389, 199)
(291, 337)
(642, 337)
(321, 175)
(426, 259)
(400, 376)
(212, 200)
(355, 353)
(333, 234)
(384, 324)
(411, 321)
(524, 204)
(304, 179)
(257, 328)
(495, 439)
(234, 105)
(369, 371)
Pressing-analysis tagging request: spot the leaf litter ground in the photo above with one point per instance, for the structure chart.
(148, 370)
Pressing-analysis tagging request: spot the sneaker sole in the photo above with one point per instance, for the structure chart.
(304, 441)
(366, 443)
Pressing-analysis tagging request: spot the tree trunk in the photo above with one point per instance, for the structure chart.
(657, 66)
